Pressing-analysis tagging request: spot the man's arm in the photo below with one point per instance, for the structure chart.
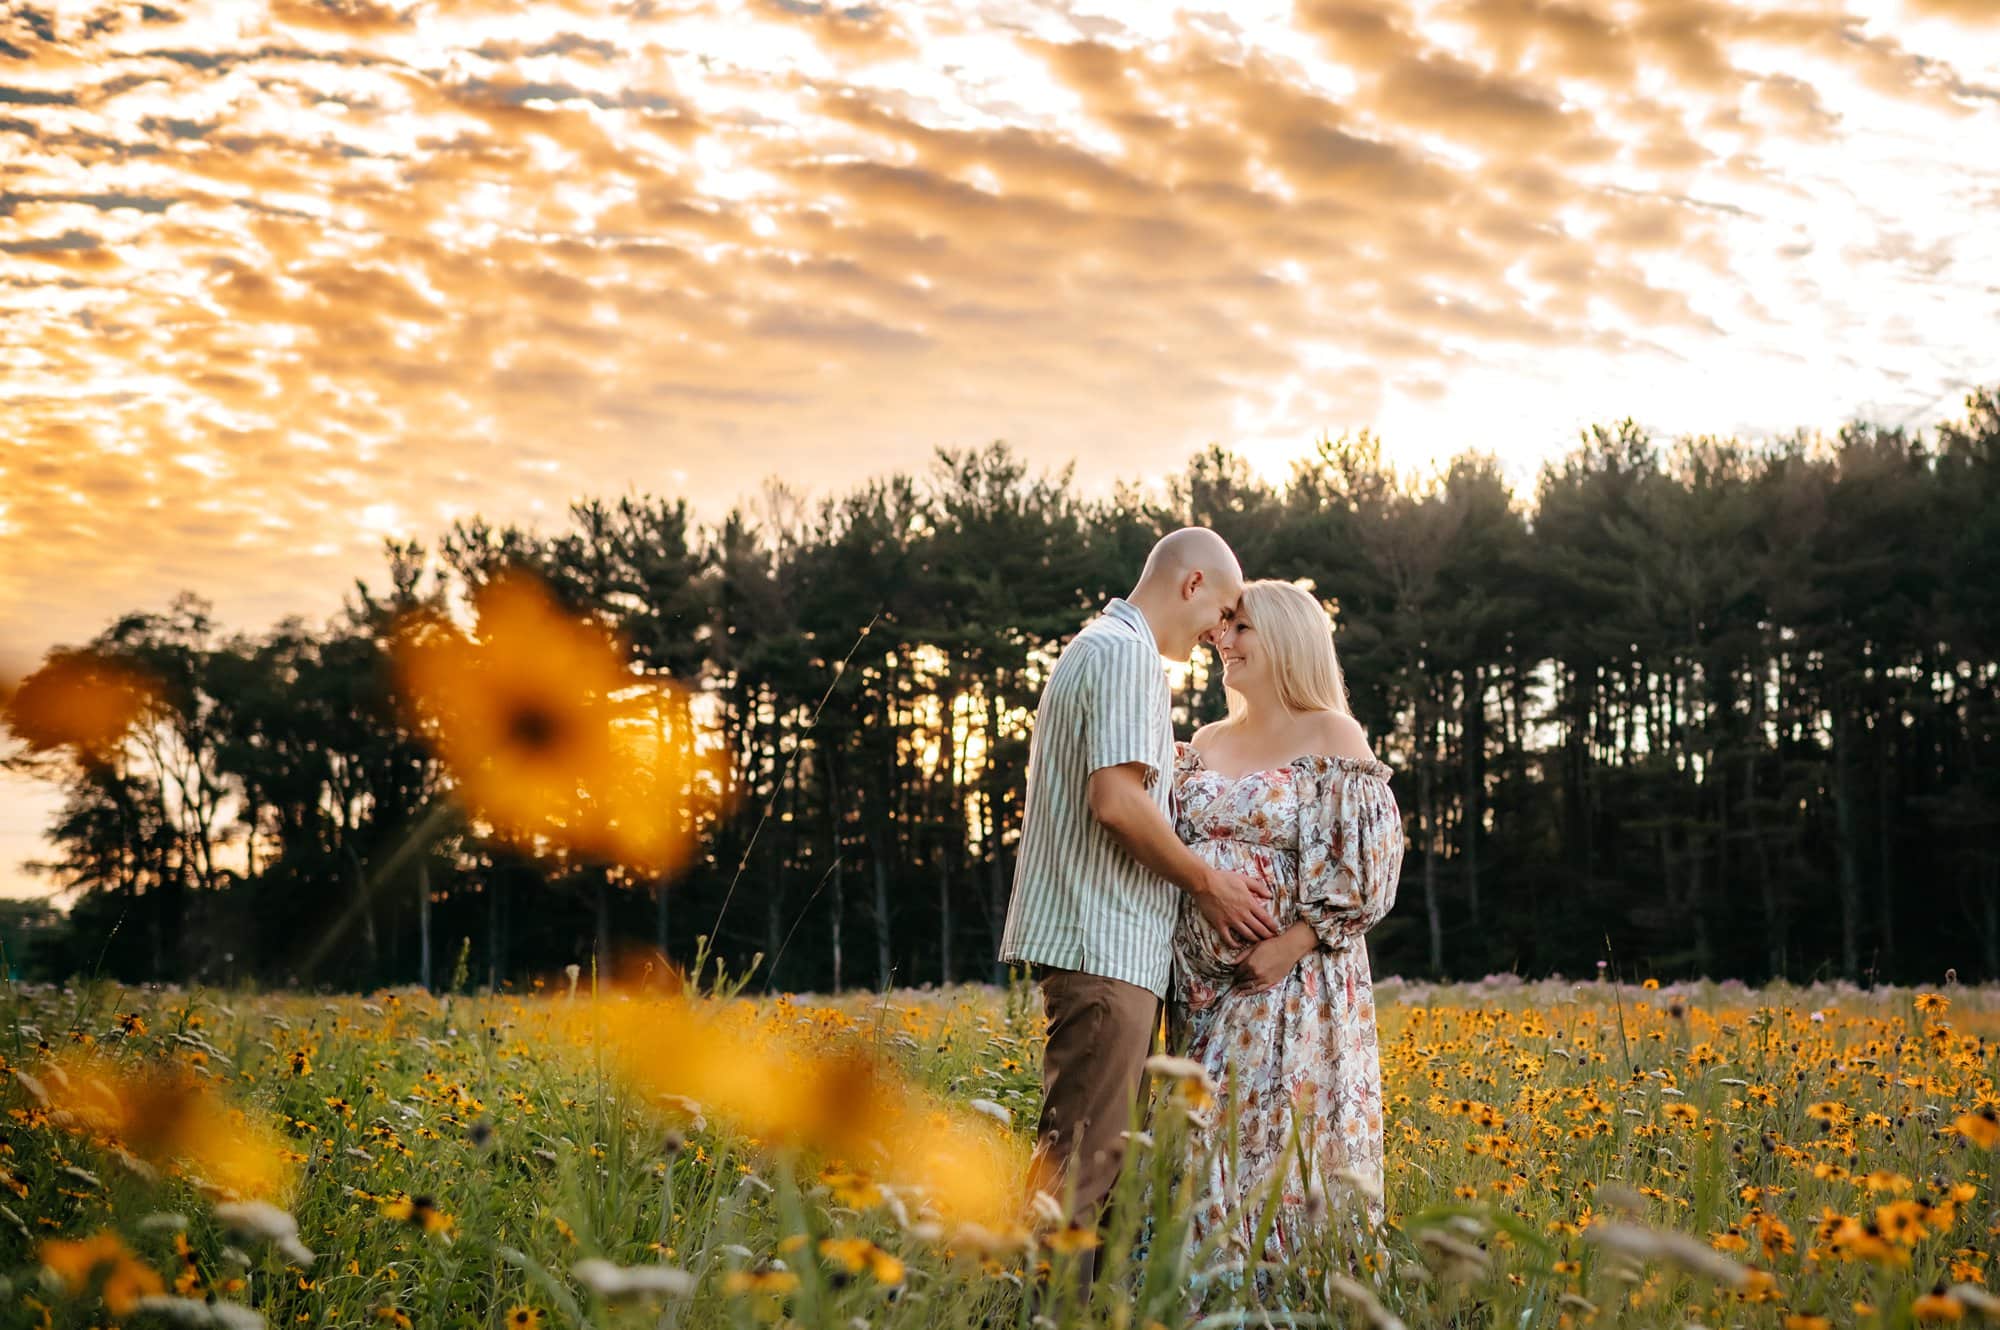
(1232, 902)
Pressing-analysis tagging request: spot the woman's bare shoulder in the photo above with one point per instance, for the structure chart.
(1338, 734)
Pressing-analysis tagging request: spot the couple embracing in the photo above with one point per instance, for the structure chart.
(1231, 878)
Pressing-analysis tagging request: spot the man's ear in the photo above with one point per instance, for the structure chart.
(1192, 584)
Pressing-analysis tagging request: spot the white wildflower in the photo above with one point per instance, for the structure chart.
(1978, 1299)
(1368, 1184)
(1455, 1260)
(1645, 1243)
(193, 1311)
(266, 1222)
(34, 1088)
(1361, 1296)
(1180, 1069)
(689, 1107)
(994, 1111)
(614, 1282)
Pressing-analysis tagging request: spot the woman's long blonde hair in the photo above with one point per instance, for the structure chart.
(1297, 635)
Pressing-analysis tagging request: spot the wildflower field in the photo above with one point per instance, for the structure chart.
(1559, 1154)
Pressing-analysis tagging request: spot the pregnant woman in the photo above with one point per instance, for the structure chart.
(1286, 789)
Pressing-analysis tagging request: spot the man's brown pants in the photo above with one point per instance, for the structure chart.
(1100, 1031)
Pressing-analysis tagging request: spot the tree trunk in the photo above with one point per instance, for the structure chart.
(1885, 849)
(660, 917)
(1474, 763)
(952, 830)
(1849, 867)
(839, 910)
(496, 968)
(1989, 904)
(882, 971)
(424, 922)
(1427, 822)
(603, 876)
(996, 855)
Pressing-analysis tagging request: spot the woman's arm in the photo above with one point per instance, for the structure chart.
(1350, 853)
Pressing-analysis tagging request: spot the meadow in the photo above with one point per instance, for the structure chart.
(1559, 1154)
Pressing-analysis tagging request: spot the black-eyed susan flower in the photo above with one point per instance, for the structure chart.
(1938, 1305)
(1901, 1222)
(547, 732)
(1883, 1179)
(103, 1256)
(847, 1254)
(418, 1212)
(851, 1189)
(166, 1116)
(1067, 1241)
(768, 1282)
(82, 701)
(523, 1318)
(1981, 1128)
(886, 1269)
(1192, 1085)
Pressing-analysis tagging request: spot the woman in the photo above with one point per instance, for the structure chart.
(1287, 788)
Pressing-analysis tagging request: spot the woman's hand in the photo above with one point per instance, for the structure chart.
(1265, 965)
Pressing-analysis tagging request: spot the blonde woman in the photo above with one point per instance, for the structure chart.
(1286, 790)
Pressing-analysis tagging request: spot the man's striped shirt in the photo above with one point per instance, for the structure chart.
(1080, 901)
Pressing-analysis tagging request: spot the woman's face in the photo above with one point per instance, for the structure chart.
(1242, 657)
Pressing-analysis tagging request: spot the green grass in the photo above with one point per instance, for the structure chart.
(1526, 1125)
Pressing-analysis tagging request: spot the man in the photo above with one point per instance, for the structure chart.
(1099, 867)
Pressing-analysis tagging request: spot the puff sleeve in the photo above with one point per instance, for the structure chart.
(1350, 847)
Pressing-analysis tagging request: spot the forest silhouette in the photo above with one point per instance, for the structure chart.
(1700, 708)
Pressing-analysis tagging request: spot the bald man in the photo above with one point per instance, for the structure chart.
(1101, 871)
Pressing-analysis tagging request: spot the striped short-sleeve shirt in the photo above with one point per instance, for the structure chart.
(1081, 902)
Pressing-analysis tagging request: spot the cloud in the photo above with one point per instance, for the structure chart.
(270, 273)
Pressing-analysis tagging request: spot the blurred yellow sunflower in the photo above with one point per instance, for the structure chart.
(74, 1264)
(547, 732)
(81, 700)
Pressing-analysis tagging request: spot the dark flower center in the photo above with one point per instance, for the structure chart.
(533, 727)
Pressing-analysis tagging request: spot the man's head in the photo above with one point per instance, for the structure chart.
(1188, 589)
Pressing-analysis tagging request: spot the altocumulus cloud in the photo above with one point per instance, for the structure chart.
(281, 278)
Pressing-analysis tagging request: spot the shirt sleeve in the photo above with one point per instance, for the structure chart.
(1350, 853)
(1118, 702)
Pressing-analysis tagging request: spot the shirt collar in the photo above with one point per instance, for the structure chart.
(1126, 612)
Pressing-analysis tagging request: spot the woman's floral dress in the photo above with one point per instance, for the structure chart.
(1326, 835)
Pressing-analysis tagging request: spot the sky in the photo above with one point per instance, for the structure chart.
(278, 281)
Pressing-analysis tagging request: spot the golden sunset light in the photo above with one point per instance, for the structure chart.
(282, 280)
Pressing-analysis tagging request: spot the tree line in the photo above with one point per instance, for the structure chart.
(1699, 708)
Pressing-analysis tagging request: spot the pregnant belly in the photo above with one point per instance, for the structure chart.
(1205, 959)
